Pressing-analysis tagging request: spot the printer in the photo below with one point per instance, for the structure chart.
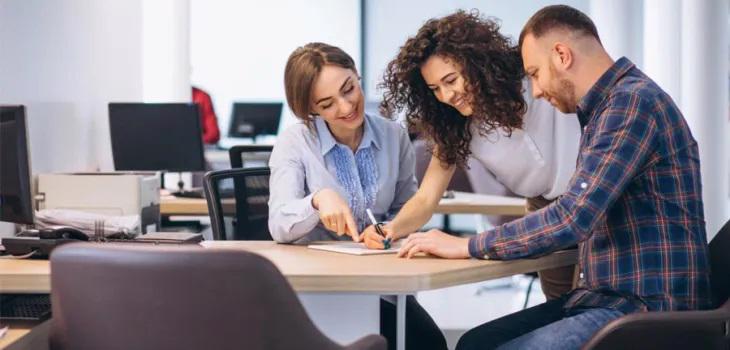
(110, 193)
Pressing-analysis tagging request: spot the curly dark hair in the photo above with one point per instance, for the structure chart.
(491, 66)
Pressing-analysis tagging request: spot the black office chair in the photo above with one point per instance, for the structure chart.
(108, 296)
(239, 196)
(678, 329)
(241, 155)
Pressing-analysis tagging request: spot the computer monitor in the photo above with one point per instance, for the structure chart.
(254, 119)
(16, 198)
(156, 136)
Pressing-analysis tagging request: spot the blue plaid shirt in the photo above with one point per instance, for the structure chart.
(634, 204)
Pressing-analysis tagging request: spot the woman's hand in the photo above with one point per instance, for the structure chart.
(335, 213)
(436, 243)
(373, 240)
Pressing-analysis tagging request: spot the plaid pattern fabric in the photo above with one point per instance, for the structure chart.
(634, 204)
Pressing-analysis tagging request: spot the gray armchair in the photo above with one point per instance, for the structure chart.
(153, 297)
(680, 329)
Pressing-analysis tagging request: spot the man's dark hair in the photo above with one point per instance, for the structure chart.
(558, 16)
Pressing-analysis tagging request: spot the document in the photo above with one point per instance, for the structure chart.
(353, 248)
(87, 222)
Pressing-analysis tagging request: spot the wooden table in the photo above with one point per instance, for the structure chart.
(26, 336)
(332, 286)
(25, 276)
(310, 270)
(463, 203)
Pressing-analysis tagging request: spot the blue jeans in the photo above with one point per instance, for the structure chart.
(545, 326)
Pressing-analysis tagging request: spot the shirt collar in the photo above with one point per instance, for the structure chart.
(600, 90)
(327, 140)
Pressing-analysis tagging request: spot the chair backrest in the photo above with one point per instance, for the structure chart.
(248, 156)
(238, 203)
(174, 297)
(720, 264)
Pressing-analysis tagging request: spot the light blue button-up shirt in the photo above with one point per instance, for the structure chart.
(305, 161)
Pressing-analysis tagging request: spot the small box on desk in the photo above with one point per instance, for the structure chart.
(169, 238)
(112, 193)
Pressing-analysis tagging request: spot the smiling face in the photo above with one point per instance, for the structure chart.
(548, 82)
(337, 98)
(443, 76)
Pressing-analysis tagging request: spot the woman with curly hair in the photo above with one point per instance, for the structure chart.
(461, 84)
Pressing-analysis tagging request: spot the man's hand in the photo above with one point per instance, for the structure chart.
(335, 214)
(436, 243)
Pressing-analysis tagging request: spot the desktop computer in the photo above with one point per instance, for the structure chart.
(252, 119)
(16, 205)
(157, 137)
(16, 202)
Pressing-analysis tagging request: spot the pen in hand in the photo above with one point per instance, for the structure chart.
(386, 241)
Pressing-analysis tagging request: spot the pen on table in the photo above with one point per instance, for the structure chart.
(386, 241)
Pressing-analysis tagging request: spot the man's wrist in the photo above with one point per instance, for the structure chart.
(473, 248)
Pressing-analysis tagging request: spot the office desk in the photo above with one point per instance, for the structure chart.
(463, 203)
(26, 336)
(25, 276)
(340, 292)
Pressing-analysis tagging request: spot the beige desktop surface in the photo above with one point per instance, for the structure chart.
(463, 203)
(310, 270)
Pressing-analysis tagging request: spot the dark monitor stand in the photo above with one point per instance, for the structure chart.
(157, 137)
(249, 120)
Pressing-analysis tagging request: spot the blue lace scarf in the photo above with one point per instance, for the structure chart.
(358, 175)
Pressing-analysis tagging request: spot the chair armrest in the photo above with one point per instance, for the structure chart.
(665, 330)
(369, 342)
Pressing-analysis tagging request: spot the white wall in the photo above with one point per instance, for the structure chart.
(238, 49)
(390, 23)
(166, 50)
(620, 25)
(67, 59)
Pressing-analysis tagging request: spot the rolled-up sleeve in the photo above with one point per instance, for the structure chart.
(291, 215)
(623, 139)
(407, 184)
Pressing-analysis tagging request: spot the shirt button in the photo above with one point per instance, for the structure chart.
(583, 185)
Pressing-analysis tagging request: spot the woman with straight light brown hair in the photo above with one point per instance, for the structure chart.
(327, 170)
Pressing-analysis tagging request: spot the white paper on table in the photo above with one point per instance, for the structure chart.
(354, 248)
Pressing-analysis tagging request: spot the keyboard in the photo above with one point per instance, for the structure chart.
(27, 307)
(197, 193)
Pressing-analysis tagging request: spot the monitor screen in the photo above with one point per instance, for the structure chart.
(16, 198)
(254, 119)
(156, 136)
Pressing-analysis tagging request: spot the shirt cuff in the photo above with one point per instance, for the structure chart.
(478, 245)
(474, 249)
